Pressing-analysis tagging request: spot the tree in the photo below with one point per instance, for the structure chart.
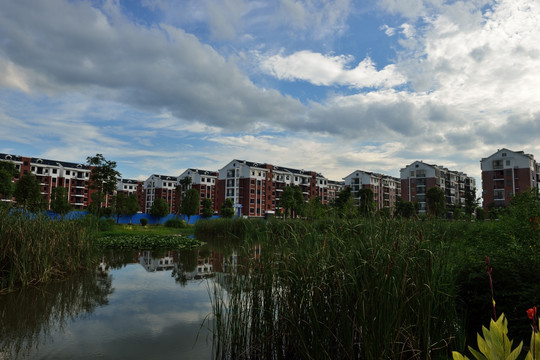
(190, 203)
(404, 209)
(367, 204)
(160, 208)
(227, 208)
(471, 202)
(131, 206)
(207, 208)
(118, 205)
(292, 201)
(315, 208)
(59, 201)
(28, 193)
(436, 201)
(103, 177)
(344, 203)
(7, 172)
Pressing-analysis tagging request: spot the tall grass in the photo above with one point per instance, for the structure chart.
(35, 249)
(228, 228)
(368, 289)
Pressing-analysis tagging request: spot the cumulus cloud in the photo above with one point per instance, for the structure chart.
(330, 70)
(74, 47)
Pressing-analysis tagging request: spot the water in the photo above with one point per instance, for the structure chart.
(140, 305)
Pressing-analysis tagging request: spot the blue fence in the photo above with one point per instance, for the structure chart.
(135, 219)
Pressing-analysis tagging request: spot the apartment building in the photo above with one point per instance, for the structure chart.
(505, 174)
(255, 187)
(160, 186)
(131, 186)
(419, 177)
(334, 187)
(53, 173)
(386, 189)
(204, 181)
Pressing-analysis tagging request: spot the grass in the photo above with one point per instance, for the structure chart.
(35, 249)
(340, 289)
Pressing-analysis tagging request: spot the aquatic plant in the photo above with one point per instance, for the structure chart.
(339, 289)
(147, 242)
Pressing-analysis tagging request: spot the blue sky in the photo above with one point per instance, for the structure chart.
(332, 86)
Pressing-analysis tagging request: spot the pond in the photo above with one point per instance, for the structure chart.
(150, 305)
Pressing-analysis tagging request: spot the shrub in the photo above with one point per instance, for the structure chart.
(175, 223)
(105, 224)
(144, 221)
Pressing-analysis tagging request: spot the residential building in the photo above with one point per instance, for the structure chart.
(255, 187)
(160, 186)
(386, 189)
(334, 187)
(419, 177)
(129, 187)
(505, 174)
(204, 181)
(53, 173)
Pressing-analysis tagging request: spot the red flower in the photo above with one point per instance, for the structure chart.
(531, 313)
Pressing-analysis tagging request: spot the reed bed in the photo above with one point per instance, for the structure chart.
(34, 249)
(229, 229)
(371, 289)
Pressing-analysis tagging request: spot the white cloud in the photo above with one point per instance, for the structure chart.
(329, 70)
(320, 18)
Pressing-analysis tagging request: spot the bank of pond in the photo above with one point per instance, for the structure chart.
(331, 288)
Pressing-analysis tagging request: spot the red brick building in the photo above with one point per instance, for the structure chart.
(386, 189)
(505, 174)
(419, 177)
(255, 188)
(129, 187)
(204, 181)
(53, 173)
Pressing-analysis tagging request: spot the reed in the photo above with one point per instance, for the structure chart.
(369, 289)
(34, 249)
(227, 228)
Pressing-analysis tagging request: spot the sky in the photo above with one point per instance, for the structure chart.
(331, 86)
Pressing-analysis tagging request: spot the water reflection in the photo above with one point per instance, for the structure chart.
(133, 304)
(31, 314)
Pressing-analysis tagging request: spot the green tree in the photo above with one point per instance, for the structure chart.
(118, 205)
(315, 208)
(7, 172)
(292, 201)
(160, 208)
(59, 201)
(436, 201)
(207, 208)
(344, 204)
(404, 209)
(28, 193)
(131, 206)
(94, 207)
(103, 177)
(190, 203)
(367, 204)
(471, 202)
(227, 209)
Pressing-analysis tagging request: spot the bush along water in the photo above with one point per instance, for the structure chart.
(34, 248)
(368, 289)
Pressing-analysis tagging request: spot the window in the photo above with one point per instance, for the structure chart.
(508, 162)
